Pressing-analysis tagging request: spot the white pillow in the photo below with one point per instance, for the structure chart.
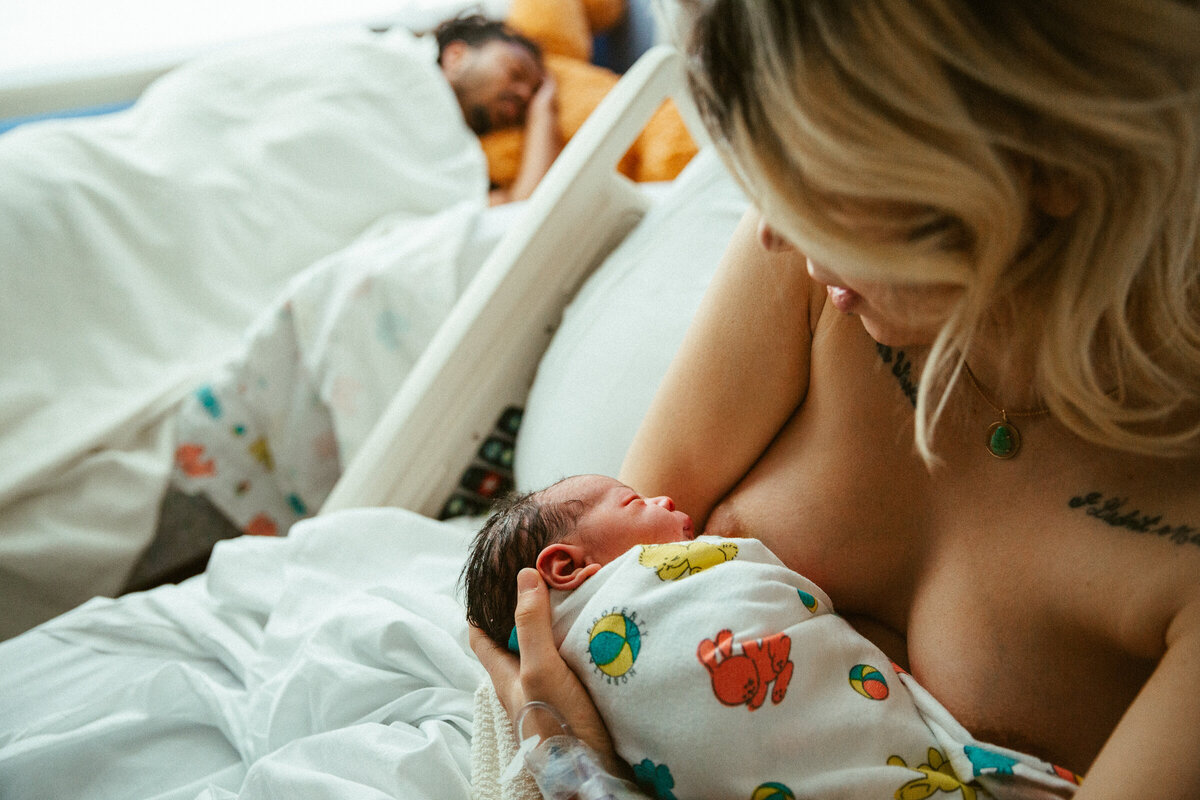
(618, 335)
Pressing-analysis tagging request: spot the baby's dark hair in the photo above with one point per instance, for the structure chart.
(476, 30)
(519, 527)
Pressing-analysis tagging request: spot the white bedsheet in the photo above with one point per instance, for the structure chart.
(334, 663)
(331, 663)
(135, 249)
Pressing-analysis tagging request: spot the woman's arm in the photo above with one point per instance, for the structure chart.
(1155, 750)
(541, 674)
(738, 376)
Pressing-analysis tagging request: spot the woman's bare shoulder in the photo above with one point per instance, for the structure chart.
(737, 378)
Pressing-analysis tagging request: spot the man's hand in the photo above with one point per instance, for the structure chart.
(543, 106)
(543, 142)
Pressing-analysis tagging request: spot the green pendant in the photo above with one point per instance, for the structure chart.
(1003, 439)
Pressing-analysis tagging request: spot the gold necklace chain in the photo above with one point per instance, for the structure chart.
(1003, 438)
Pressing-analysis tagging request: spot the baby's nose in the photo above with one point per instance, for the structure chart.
(664, 501)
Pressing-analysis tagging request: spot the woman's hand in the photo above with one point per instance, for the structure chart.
(541, 674)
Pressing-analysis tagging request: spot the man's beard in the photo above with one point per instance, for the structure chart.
(478, 120)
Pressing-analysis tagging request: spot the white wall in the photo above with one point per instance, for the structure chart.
(59, 53)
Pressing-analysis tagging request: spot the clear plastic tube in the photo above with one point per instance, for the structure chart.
(565, 768)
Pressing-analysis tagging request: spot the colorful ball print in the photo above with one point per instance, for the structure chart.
(614, 644)
(808, 600)
(868, 681)
(772, 791)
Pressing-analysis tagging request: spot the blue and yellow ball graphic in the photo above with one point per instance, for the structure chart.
(868, 681)
(808, 600)
(772, 791)
(614, 644)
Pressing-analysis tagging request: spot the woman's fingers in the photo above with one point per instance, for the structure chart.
(502, 667)
(546, 677)
(541, 665)
(541, 674)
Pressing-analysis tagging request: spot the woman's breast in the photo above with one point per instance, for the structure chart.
(976, 629)
(852, 523)
(958, 571)
(840, 495)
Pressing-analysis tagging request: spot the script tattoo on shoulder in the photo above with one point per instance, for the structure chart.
(1112, 511)
(902, 369)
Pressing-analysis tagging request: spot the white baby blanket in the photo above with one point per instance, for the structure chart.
(721, 673)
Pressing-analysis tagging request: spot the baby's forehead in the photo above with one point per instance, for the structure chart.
(586, 489)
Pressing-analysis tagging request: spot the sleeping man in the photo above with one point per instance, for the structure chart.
(230, 175)
(224, 482)
(500, 82)
(718, 671)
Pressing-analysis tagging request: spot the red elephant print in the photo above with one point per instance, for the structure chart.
(743, 679)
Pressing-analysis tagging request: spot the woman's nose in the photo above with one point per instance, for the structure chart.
(663, 501)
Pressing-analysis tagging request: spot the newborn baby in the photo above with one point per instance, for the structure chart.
(720, 672)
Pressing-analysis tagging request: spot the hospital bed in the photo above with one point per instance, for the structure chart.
(87, 418)
(334, 661)
(483, 357)
(138, 247)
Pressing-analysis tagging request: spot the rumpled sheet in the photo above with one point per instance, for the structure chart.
(331, 663)
(135, 249)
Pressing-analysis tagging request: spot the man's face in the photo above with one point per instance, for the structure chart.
(493, 82)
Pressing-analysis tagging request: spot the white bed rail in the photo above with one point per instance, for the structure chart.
(484, 356)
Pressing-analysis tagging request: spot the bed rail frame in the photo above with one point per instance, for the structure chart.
(484, 356)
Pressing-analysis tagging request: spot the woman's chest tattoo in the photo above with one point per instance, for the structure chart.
(1117, 512)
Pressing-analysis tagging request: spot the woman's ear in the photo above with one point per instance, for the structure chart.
(1053, 192)
(1056, 195)
(565, 566)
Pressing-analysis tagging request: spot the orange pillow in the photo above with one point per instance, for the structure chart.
(603, 14)
(659, 153)
(558, 26)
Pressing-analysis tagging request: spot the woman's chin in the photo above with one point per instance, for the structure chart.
(897, 336)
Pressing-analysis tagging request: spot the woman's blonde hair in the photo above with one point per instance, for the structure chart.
(945, 121)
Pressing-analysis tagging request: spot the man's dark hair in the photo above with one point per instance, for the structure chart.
(476, 29)
(519, 527)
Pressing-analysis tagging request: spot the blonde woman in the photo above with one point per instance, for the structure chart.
(951, 370)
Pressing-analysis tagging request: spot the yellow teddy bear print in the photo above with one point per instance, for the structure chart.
(680, 559)
(937, 775)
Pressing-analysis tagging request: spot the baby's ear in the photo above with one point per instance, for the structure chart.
(565, 566)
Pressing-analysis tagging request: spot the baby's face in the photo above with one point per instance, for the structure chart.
(617, 518)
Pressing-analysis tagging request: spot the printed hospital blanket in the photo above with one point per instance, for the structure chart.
(266, 437)
(721, 673)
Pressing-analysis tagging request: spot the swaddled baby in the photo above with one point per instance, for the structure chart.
(720, 672)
